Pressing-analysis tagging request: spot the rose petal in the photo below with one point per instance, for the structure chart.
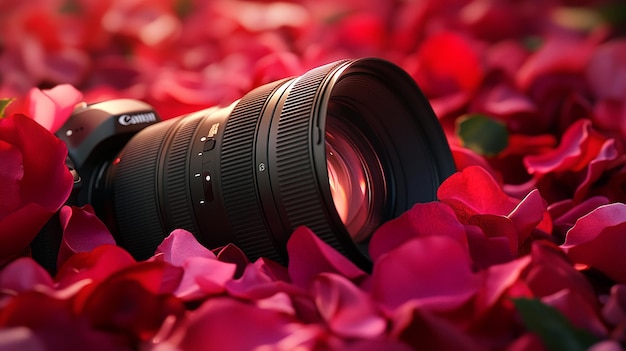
(50, 319)
(44, 182)
(499, 278)
(348, 311)
(23, 274)
(440, 218)
(204, 276)
(579, 145)
(597, 240)
(82, 232)
(20, 338)
(181, 244)
(95, 265)
(52, 107)
(474, 191)
(310, 256)
(224, 323)
(423, 330)
(606, 71)
(578, 311)
(614, 310)
(420, 270)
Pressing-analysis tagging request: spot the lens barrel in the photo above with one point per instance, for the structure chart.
(341, 149)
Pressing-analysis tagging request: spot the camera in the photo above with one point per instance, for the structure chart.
(340, 149)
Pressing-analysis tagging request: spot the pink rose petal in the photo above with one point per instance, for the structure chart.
(181, 244)
(82, 232)
(310, 256)
(348, 310)
(51, 108)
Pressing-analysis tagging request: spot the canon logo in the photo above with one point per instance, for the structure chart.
(127, 120)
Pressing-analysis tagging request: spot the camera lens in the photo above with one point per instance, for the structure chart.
(340, 149)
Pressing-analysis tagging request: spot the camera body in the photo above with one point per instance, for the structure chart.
(94, 135)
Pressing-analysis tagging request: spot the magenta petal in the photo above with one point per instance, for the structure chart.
(497, 279)
(579, 311)
(204, 276)
(348, 311)
(614, 310)
(598, 240)
(23, 274)
(51, 108)
(180, 245)
(421, 270)
(606, 71)
(21, 338)
(228, 324)
(487, 251)
(261, 279)
(423, 330)
(310, 256)
(434, 218)
(82, 232)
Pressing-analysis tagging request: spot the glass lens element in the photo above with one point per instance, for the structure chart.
(353, 183)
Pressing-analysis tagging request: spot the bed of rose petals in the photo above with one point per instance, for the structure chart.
(525, 249)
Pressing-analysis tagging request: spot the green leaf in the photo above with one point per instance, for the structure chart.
(3, 105)
(484, 135)
(555, 331)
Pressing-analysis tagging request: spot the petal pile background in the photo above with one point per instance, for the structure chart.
(524, 250)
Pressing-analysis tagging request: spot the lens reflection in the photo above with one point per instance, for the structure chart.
(357, 187)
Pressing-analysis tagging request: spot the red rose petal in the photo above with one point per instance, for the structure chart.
(434, 218)
(43, 181)
(579, 145)
(423, 330)
(474, 191)
(420, 270)
(597, 240)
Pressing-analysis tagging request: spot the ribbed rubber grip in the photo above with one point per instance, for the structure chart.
(296, 174)
(238, 181)
(138, 217)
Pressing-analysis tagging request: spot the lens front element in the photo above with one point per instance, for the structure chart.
(356, 181)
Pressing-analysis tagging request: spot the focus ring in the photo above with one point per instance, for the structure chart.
(237, 172)
(295, 171)
(137, 217)
(176, 204)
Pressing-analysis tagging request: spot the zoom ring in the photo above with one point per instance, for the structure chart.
(237, 172)
(296, 174)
